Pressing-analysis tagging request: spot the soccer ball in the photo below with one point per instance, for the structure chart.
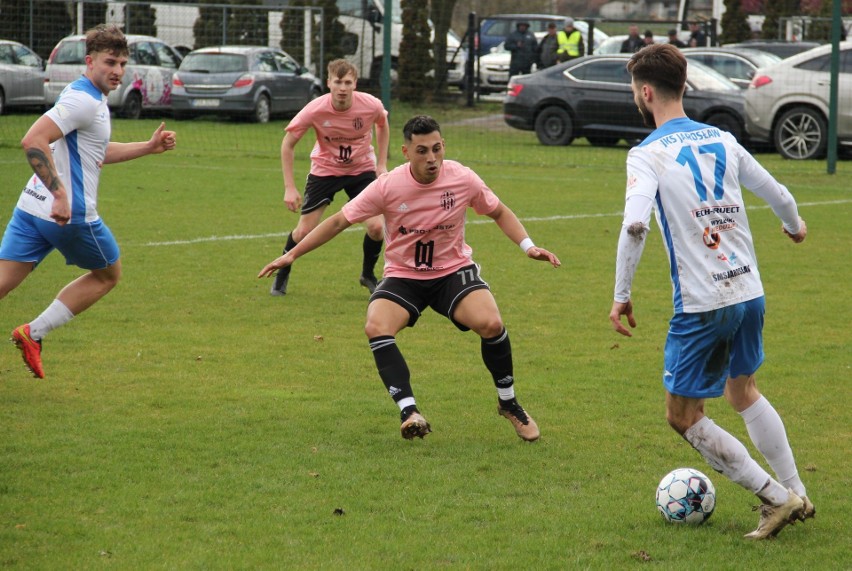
(686, 495)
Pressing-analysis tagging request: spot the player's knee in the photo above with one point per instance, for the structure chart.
(491, 328)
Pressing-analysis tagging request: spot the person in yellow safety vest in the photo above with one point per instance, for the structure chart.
(570, 42)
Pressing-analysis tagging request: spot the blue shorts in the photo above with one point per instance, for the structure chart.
(704, 349)
(90, 245)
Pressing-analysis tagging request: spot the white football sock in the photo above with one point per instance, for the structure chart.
(56, 315)
(766, 430)
(729, 456)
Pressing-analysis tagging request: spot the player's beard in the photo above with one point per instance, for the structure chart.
(647, 116)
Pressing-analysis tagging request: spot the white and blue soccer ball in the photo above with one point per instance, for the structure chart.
(686, 495)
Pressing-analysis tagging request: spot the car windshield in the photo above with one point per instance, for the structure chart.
(214, 63)
(707, 79)
(763, 59)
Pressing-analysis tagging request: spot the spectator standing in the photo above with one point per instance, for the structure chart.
(648, 39)
(674, 40)
(697, 37)
(633, 43)
(523, 47)
(570, 42)
(548, 47)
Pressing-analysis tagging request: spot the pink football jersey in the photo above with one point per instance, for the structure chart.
(424, 223)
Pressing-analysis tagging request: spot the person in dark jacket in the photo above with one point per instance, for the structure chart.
(523, 47)
(634, 41)
(548, 47)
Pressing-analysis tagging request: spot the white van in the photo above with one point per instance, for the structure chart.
(364, 20)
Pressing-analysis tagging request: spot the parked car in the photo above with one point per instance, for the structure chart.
(494, 67)
(781, 48)
(21, 76)
(147, 78)
(788, 103)
(737, 64)
(591, 97)
(249, 81)
(612, 45)
(494, 29)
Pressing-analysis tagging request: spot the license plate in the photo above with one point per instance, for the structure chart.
(205, 102)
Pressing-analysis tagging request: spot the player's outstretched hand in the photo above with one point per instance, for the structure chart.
(543, 255)
(162, 140)
(618, 309)
(799, 236)
(276, 264)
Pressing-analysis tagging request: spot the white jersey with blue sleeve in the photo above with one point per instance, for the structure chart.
(690, 174)
(81, 113)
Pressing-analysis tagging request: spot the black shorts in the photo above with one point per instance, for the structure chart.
(441, 294)
(320, 190)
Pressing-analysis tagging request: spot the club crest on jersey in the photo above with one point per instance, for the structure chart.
(448, 200)
(358, 123)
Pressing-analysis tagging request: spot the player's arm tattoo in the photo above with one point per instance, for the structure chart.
(41, 166)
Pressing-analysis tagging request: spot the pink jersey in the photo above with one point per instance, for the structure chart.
(343, 137)
(424, 223)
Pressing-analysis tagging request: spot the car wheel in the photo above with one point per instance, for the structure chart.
(2, 102)
(554, 126)
(132, 108)
(801, 133)
(602, 141)
(261, 110)
(726, 123)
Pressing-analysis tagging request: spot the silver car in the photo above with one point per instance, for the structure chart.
(787, 103)
(21, 76)
(738, 65)
(253, 82)
(147, 79)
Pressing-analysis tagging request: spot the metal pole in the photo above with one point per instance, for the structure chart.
(836, 22)
(224, 25)
(387, 29)
(308, 20)
(471, 58)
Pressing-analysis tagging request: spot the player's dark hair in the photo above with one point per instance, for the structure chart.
(340, 67)
(106, 38)
(420, 125)
(662, 66)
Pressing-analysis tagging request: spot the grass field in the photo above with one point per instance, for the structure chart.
(191, 421)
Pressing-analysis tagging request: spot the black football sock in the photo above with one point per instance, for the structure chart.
(497, 355)
(392, 367)
(372, 251)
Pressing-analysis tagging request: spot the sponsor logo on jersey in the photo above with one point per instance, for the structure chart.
(711, 238)
(34, 194)
(722, 276)
(403, 230)
(326, 124)
(722, 209)
(403, 207)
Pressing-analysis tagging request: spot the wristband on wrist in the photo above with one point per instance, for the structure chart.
(526, 244)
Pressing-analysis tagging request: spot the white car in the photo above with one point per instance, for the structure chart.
(494, 67)
(147, 79)
(787, 103)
